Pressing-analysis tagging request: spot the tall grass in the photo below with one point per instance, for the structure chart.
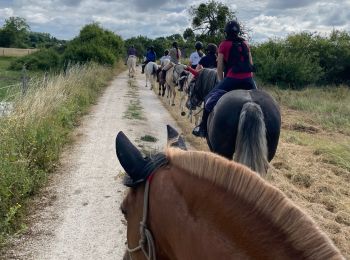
(328, 107)
(33, 135)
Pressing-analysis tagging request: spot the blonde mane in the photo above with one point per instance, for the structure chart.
(239, 180)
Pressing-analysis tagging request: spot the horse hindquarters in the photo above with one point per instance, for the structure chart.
(251, 144)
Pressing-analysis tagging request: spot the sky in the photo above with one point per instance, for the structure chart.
(266, 19)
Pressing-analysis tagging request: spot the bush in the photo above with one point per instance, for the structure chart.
(44, 59)
(94, 44)
(303, 59)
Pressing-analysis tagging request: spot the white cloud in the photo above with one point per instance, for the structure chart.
(153, 18)
(6, 12)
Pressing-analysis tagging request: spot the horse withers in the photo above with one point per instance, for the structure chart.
(244, 124)
(198, 205)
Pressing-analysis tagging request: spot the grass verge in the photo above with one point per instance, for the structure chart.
(33, 135)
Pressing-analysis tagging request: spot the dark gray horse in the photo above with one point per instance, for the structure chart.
(244, 125)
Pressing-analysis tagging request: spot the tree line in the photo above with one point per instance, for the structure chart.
(16, 33)
(296, 61)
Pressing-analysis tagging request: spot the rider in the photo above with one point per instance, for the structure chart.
(150, 56)
(163, 58)
(197, 55)
(175, 56)
(131, 52)
(234, 70)
(209, 60)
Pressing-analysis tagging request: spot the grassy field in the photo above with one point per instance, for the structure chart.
(34, 134)
(10, 80)
(15, 52)
(8, 77)
(312, 163)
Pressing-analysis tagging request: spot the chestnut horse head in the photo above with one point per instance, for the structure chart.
(198, 205)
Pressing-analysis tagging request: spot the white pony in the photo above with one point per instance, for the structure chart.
(151, 73)
(131, 62)
(172, 78)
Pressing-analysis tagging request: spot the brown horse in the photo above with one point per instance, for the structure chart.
(197, 205)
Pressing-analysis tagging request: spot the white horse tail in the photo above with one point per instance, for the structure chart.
(155, 69)
(251, 143)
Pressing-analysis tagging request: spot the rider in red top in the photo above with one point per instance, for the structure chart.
(234, 69)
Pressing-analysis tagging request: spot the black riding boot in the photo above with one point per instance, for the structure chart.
(201, 129)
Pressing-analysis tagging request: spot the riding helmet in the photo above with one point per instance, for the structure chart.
(232, 28)
(175, 44)
(212, 48)
(198, 45)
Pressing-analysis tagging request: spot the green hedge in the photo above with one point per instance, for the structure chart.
(44, 59)
(92, 44)
(303, 59)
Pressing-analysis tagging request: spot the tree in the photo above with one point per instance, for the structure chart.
(94, 44)
(14, 33)
(188, 34)
(210, 18)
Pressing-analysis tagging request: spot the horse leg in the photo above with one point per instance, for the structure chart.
(163, 90)
(173, 98)
(153, 80)
(182, 107)
(190, 115)
(168, 93)
(197, 116)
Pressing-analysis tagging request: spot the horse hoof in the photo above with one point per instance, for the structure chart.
(173, 104)
(183, 113)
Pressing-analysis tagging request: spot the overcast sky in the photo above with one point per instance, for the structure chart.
(153, 18)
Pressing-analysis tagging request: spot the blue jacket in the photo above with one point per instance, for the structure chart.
(151, 56)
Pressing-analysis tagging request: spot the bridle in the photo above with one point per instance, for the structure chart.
(145, 233)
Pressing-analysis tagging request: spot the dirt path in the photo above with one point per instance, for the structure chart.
(77, 216)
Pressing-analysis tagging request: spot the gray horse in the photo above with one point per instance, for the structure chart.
(244, 125)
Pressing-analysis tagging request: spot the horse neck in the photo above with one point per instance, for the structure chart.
(205, 83)
(193, 219)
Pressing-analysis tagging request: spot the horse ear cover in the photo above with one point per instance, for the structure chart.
(130, 158)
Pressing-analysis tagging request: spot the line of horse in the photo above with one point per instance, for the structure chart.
(199, 205)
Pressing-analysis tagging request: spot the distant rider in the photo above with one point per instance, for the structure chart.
(197, 55)
(150, 56)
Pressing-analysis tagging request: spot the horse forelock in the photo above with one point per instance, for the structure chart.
(300, 230)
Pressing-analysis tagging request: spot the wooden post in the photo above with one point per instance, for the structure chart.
(46, 79)
(24, 80)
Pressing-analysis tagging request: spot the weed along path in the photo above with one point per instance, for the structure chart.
(77, 215)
